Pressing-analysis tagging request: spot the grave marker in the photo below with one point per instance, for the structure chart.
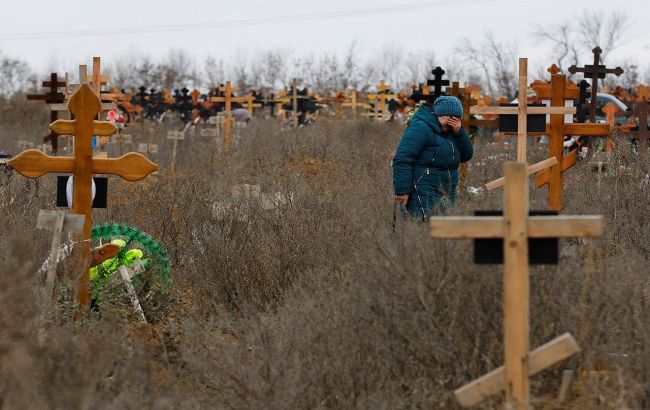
(294, 102)
(23, 145)
(522, 110)
(437, 83)
(85, 106)
(516, 227)
(59, 222)
(559, 93)
(227, 99)
(380, 98)
(147, 148)
(641, 111)
(53, 96)
(175, 135)
(352, 102)
(126, 274)
(595, 71)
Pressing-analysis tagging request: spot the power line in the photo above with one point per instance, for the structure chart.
(238, 23)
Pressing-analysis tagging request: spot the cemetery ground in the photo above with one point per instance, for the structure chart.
(319, 303)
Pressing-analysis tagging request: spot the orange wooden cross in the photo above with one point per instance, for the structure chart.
(352, 101)
(95, 80)
(522, 110)
(610, 110)
(250, 104)
(227, 99)
(84, 105)
(380, 99)
(558, 92)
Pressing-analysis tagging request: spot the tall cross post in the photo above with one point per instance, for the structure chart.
(84, 105)
(522, 110)
(515, 227)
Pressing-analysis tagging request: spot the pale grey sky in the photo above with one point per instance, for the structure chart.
(58, 34)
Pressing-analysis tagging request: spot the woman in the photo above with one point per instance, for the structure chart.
(425, 165)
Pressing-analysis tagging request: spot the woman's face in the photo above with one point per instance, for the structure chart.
(444, 122)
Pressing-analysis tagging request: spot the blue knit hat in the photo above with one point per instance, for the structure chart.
(447, 105)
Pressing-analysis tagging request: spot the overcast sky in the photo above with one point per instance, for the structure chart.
(58, 34)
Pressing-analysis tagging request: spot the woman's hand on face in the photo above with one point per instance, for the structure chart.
(402, 198)
(455, 124)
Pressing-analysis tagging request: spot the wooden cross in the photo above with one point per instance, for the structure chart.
(175, 135)
(421, 93)
(250, 103)
(353, 103)
(610, 110)
(53, 96)
(58, 222)
(147, 148)
(84, 105)
(516, 227)
(595, 72)
(195, 94)
(522, 110)
(120, 138)
(641, 111)
(127, 274)
(437, 82)
(95, 80)
(23, 145)
(380, 99)
(227, 99)
(558, 93)
(294, 101)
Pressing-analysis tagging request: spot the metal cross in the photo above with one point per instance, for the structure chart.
(595, 71)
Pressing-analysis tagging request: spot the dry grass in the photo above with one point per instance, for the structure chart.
(321, 304)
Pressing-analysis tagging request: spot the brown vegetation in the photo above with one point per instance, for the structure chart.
(321, 304)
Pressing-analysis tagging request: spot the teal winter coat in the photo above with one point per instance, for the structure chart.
(425, 165)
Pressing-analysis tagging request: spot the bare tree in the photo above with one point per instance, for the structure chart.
(603, 30)
(564, 48)
(569, 40)
(631, 78)
(16, 75)
(178, 70)
(239, 67)
(273, 67)
(390, 62)
(495, 60)
(350, 71)
(215, 72)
